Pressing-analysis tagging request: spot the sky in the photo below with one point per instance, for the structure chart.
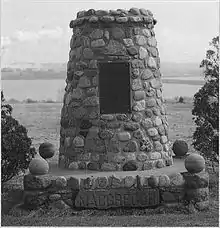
(38, 30)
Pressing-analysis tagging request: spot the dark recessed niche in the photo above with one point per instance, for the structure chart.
(114, 87)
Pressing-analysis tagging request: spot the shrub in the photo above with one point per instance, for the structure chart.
(181, 100)
(206, 104)
(16, 150)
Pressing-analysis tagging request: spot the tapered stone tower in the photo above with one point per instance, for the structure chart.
(113, 116)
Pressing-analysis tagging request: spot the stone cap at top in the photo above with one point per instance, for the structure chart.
(134, 15)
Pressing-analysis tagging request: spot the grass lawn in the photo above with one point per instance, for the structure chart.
(42, 122)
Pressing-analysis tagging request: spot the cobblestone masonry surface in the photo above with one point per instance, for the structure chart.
(109, 191)
(89, 140)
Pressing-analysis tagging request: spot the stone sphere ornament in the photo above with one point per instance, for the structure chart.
(180, 148)
(194, 163)
(47, 150)
(38, 166)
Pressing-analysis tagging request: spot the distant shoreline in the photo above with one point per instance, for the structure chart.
(164, 80)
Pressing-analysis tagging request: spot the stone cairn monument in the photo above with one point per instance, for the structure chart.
(113, 117)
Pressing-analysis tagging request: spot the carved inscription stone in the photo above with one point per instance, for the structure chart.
(103, 199)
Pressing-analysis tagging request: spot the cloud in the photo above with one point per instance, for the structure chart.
(22, 35)
(5, 42)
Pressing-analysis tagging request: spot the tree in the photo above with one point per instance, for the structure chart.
(206, 106)
(16, 150)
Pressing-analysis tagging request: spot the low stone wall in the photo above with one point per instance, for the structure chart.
(110, 192)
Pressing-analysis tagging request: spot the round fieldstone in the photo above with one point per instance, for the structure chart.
(73, 165)
(131, 126)
(139, 134)
(164, 139)
(88, 53)
(142, 157)
(153, 181)
(93, 19)
(147, 123)
(94, 157)
(131, 156)
(152, 41)
(129, 181)
(137, 31)
(78, 141)
(122, 117)
(151, 102)
(135, 19)
(121, 19)
(93, 64)
(108, 167)
(152, 132)
(98, 43)
(177, 180)
(154, 156)
(128, 42)
(139, 106)
(164, 181)
(82, 165)
(101, 182)
(136, 63)
(91, 101)
(84, 82)
(61, 182)
(140, 40)
(92, 92)
(136, 84)
(107, 19)
(97, 34)
(146, 74)
(101, 12)
(149, 113)
(150, 92)
(146, 144)
(134, 11)
(106, 134)
(161, 130)
(118, 158)
(143, 53)
(137, 117)
(135, 73)
(158, 146)
(131, 146)
(115, 182)
(139, 95)
(153, 51)
(157, 121)
(93, 166)
(160, 163)
(149, 165)
(132, 50)
(146, 32)
(152, 63)
(156, 111)
(130, 166)
(124, 136)
(159, 93)
(118, 33)
(156, 83)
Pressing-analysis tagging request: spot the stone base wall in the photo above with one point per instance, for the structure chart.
(112, 192)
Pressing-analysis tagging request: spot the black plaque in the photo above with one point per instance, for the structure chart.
(114, 87)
